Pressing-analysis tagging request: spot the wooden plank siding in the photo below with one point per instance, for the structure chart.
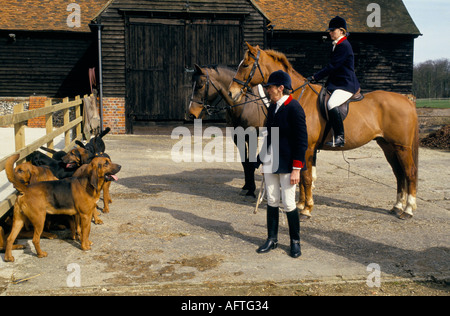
(53, 64)
(121, 18)
(382, 61)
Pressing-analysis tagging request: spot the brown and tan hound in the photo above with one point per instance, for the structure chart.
(71, 196)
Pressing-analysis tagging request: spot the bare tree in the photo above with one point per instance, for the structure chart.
(432, 79)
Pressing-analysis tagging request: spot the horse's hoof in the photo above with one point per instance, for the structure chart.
(243, 192)
(304, 218)
(251, 194)
(396, 211)
(405, 216)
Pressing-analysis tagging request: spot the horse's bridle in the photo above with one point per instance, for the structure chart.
(245, 85)
(210, 108)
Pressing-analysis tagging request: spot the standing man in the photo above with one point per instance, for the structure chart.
(286, 144)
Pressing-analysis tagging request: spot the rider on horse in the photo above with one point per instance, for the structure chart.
(342, 81)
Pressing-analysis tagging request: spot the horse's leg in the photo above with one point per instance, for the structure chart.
(302, 195)
(249, 171)
(250, 166)
(314, 169)
(408, 160)
(391, 156)
(306, 182)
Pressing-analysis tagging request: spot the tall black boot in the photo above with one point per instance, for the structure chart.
(272, 230)
(294, 233)
(338, 128)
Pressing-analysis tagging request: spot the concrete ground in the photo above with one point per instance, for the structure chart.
(182, 228)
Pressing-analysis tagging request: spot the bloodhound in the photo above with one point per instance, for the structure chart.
(71, 196)
(28, 173)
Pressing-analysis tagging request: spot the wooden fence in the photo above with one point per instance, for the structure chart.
(19, 119)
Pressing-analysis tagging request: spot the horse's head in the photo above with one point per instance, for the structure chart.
(251, 72)
(200, 95)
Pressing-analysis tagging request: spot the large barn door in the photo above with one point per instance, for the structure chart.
(215, 42)
(155, 62)
(160, 54)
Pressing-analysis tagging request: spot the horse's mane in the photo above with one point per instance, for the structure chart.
(219, 67)
(281, 58)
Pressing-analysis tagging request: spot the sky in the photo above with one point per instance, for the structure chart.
(432, 17)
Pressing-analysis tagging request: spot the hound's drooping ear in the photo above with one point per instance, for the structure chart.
(94, 176)
(34, 175)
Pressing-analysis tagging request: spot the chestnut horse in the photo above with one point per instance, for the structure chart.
(210, 85)
(389, 118)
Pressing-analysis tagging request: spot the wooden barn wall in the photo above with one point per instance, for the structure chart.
(54, 64)
(113, 43)
(382, 62)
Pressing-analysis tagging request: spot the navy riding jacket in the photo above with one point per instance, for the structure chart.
(293, 135)
(341, 69)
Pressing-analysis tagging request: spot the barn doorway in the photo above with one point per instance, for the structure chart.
(161, 52)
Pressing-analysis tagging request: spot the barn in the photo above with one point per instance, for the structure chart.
(144, 51)
(382, 35)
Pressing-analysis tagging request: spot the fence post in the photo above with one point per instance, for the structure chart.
(19, 130)
(66, 122)
(77, 115)
(49, 123)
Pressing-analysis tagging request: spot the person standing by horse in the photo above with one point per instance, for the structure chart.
(283, 158)
(342, 81)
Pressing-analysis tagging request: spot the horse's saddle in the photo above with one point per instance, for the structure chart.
(324, 95)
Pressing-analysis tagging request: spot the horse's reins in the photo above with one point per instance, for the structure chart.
(204, 101)
(213, 108)
(245, 85)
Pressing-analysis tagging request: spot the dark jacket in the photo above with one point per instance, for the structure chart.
(341, 69)
(293, 136)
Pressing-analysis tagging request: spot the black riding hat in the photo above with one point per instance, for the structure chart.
(337, 23)
(278, 78)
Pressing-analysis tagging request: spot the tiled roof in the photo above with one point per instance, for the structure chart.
(288, 15)
(314, 15)
(48, 15)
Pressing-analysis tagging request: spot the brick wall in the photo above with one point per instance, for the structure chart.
(114, 115)
(36, 103)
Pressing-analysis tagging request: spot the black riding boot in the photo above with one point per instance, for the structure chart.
(272, 230)
(338, 128)
(294, 233)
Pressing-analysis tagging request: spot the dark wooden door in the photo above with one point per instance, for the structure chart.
(161, 53)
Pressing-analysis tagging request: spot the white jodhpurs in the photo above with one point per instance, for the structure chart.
(274, 182)
(338, 97)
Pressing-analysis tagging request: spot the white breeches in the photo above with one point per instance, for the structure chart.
(338, 97)
(274, 182)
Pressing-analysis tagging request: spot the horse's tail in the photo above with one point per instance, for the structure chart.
(415, 150)
(9, 168)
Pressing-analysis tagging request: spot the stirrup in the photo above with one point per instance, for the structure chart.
(339, 141)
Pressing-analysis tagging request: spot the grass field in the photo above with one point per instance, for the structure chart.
(433, 103)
